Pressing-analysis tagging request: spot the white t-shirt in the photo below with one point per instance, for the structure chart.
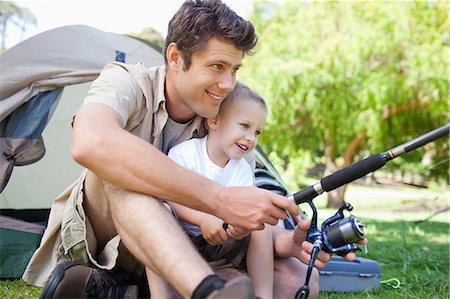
(192, 155)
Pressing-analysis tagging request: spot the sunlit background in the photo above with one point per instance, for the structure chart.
(113, 16)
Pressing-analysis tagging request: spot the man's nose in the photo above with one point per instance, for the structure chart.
(227, 82)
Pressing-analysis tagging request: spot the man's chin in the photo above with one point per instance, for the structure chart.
(209, 113)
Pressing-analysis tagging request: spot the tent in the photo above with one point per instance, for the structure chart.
(44, 81)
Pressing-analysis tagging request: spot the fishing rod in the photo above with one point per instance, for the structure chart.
(338, 234)
(365, 166)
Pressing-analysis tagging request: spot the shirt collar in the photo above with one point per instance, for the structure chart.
(159, 96)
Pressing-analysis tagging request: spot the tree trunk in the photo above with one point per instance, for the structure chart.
(335, 197)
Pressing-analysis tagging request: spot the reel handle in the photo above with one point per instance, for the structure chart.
(303, 292)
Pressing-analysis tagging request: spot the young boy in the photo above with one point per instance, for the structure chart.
(220, 157)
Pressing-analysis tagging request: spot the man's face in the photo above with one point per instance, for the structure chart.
(210, 78)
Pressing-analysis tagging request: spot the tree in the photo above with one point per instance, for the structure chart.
(150, 35)
(347, 78)
(10, 13)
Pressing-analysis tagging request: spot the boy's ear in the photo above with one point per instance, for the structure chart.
(212, 122)
(173, 56)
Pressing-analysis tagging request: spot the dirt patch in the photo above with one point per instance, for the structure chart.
(422, 207)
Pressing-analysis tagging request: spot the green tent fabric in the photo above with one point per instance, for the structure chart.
(19, 239)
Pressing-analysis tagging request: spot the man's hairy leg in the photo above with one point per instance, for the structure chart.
(148, 231)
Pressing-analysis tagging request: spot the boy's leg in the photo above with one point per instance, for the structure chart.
(158, 287)
(260, 262)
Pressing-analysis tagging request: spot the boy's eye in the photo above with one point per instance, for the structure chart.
(257, 133)
(245, 126)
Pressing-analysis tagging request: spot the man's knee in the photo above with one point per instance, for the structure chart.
(290, 275)
(314, 284)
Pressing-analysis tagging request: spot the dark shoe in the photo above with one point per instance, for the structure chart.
(71, 280)
(239, 287)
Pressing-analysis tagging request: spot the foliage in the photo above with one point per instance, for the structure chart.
(150, 35)
(345, 79)
(11, 13)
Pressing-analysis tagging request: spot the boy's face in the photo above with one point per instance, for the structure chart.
(239, 128)
(210, 78)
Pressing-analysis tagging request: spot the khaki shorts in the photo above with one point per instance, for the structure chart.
(79, 243)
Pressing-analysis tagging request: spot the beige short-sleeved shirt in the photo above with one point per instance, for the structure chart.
(137, 94)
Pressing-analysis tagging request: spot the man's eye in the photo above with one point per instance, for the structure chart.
(217, 66)
(235, 70)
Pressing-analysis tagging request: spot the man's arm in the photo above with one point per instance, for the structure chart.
(100, 144)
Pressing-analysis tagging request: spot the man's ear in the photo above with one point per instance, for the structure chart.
(173, 55)
(212, 122)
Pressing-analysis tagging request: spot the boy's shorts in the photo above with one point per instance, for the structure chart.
(232, 251)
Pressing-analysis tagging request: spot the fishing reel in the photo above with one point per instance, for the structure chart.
(336, 236)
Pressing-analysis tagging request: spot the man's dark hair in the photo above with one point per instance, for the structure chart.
(197, 21)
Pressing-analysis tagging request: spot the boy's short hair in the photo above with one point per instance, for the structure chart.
(197, 21)
(242, 92)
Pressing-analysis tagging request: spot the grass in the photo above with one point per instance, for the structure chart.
(18, 289)
(417, 254)
(414, 252)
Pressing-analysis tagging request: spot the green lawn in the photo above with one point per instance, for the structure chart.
(416, 254)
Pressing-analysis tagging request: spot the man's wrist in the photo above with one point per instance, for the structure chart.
(219, 199)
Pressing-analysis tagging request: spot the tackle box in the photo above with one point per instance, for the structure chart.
(340, 275)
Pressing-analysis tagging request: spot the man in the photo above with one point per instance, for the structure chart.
(111, 221)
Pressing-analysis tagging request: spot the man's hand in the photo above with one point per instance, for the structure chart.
(294, 244)
(250, 207)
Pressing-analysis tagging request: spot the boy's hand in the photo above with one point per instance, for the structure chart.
(212, 230)
(236, 233)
